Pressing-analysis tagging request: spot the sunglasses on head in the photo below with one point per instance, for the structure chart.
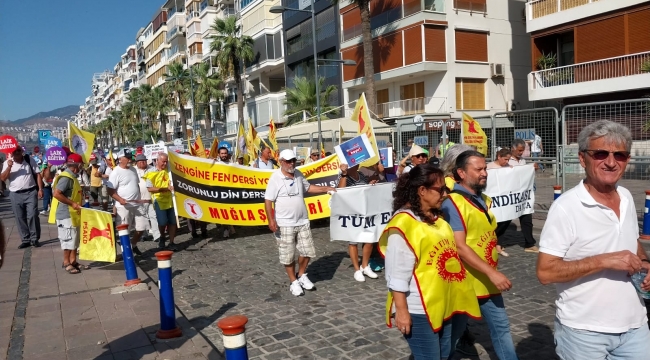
(421, 155)
(604, 154)
(441, 189)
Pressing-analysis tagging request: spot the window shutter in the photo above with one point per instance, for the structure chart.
(639, 31)
(434, 43)
(470, 94)
(471, 46)
(459, 94)
(600, 39)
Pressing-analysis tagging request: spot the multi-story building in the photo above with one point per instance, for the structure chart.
(193, 33)
(155, 51)
(299, 57)
(439, 56)
(588, 50)
(128, 72)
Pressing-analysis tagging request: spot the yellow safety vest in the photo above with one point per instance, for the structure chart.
(450, 182)
(94, 180)
(443, 281)
(160, 179)
(443, 148)
(481, 237)
(75, 197)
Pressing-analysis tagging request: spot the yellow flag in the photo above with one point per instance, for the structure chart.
(109, 159)
(473, 134)
(341, 133)
(240, 144)
(273, 130)
(361, 115)
(197, 148)
(81, 142)
(252, 141)
(96, 236)
(214, 148)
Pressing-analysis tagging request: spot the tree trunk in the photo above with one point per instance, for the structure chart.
(163, 127)
(181, 113)
(208, 119)
(368, 58)
(240, 92)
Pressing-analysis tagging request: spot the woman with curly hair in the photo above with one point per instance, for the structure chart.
(429, 295)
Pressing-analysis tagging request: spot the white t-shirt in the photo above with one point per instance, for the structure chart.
(144, 192)
(536, 146)
(288, 195)
(108, 172)
(125, 182)
(578, 227)
(20, 178)
(515, 162)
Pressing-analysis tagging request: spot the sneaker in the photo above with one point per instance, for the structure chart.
(136, 251)
(36, 244)
(532, 249)
(296, 289)
(367, 271)
(44, 212)
(24, 245)
(466, 348)
(305, 282)
(358, 276)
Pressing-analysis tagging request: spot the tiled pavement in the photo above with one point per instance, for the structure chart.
(67, 316)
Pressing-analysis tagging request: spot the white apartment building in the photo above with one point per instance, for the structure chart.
(588, 50)
(439, 56)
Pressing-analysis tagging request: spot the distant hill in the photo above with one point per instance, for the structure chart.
(65, 112)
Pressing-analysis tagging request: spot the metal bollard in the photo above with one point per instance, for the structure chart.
(557, 191)
(127, 256)
(645, 234)
(168, 328)
(234, 337)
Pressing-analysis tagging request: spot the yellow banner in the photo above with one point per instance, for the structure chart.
(473, 134)
(81, 142)
(221, 193)
(96, 236)
(361, 115)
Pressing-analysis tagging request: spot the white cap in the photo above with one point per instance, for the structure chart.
(287, 154)
(444, 136)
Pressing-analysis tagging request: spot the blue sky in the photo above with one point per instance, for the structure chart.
(49, 50)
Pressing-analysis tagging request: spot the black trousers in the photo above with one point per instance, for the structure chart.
(526, 222)
(501, 229)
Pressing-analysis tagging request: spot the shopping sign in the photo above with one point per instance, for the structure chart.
(8, 144)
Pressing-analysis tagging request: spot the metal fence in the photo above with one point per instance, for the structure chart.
(634, 114)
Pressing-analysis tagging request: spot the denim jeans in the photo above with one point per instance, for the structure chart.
(535, 155)
(47, 197)
(494, 314)
(428, 345)
(576, 344)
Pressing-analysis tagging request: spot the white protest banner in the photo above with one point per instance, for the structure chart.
(511, 190)
(151, 151)
(360, 213)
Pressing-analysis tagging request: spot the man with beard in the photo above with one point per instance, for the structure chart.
(223, 155)
(289, 222)
(474, 225)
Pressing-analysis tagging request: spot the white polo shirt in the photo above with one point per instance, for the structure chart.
(578, 227)
(125, 183)
(20, 178)
(289, 197)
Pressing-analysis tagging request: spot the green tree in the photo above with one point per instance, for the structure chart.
(368, 57)
(209, 86)
(233, 50)
(178, 83)
(302, 96)
(158, 105)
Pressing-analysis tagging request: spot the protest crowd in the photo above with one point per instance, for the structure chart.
(438, 248)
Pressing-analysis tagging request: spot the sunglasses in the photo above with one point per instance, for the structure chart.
(421, 156)
(441, 189)
(604, 154)
(291, 161)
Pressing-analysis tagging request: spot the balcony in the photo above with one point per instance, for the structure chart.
(428, 105)
(173, 31)
(204, 5)
(471, 5)
(196, 57)
(264, 24)
(542, 14)
(192, 15)
(621, 73)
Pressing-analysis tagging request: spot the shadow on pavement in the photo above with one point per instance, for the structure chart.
(325, 267)
(540, 337)
(201, 322)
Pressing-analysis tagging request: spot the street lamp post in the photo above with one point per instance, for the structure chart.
(280, 10)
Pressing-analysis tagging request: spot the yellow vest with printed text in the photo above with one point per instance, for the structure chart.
(442, 279)
(160, 179)
(480, 237)
(75, 197)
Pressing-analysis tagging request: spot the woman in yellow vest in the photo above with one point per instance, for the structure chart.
(429, 292)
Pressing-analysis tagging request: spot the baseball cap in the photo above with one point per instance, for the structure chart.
(416, 150)
(141, 157)
(444, 136)
(124, 153)
(74, 159)
(36, 149)
(287, 154)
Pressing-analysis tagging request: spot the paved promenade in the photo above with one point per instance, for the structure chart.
(46, 313)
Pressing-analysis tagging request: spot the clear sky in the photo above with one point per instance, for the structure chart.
(49, 49)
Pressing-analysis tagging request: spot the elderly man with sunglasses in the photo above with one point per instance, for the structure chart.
(589, 247)
(289, 220)
(418, 156)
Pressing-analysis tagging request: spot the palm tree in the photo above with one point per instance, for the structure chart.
(208, 87)
(159, 104)
(232, 49)
(368, 58)
(114, 119)
(302, 96)
(178, 82)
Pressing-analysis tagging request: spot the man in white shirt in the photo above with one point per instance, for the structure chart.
(526, 221)
(289, 222)
(26, 187)
(123, 186)
(142, 168)
(589, 248)
(536, 148)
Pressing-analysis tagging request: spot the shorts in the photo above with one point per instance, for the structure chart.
(292, 238)
(165, 217)
(99, 191)
(68, 234)
(135, 218)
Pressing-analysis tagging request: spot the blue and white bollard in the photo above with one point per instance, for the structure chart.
(234, 337)
(168, 328)
(645, 234)
(557, 191)
(127, 256)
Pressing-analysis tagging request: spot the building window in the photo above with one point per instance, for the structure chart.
(470, 94)
(382, 96)
(471, 46)
(411, 91)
